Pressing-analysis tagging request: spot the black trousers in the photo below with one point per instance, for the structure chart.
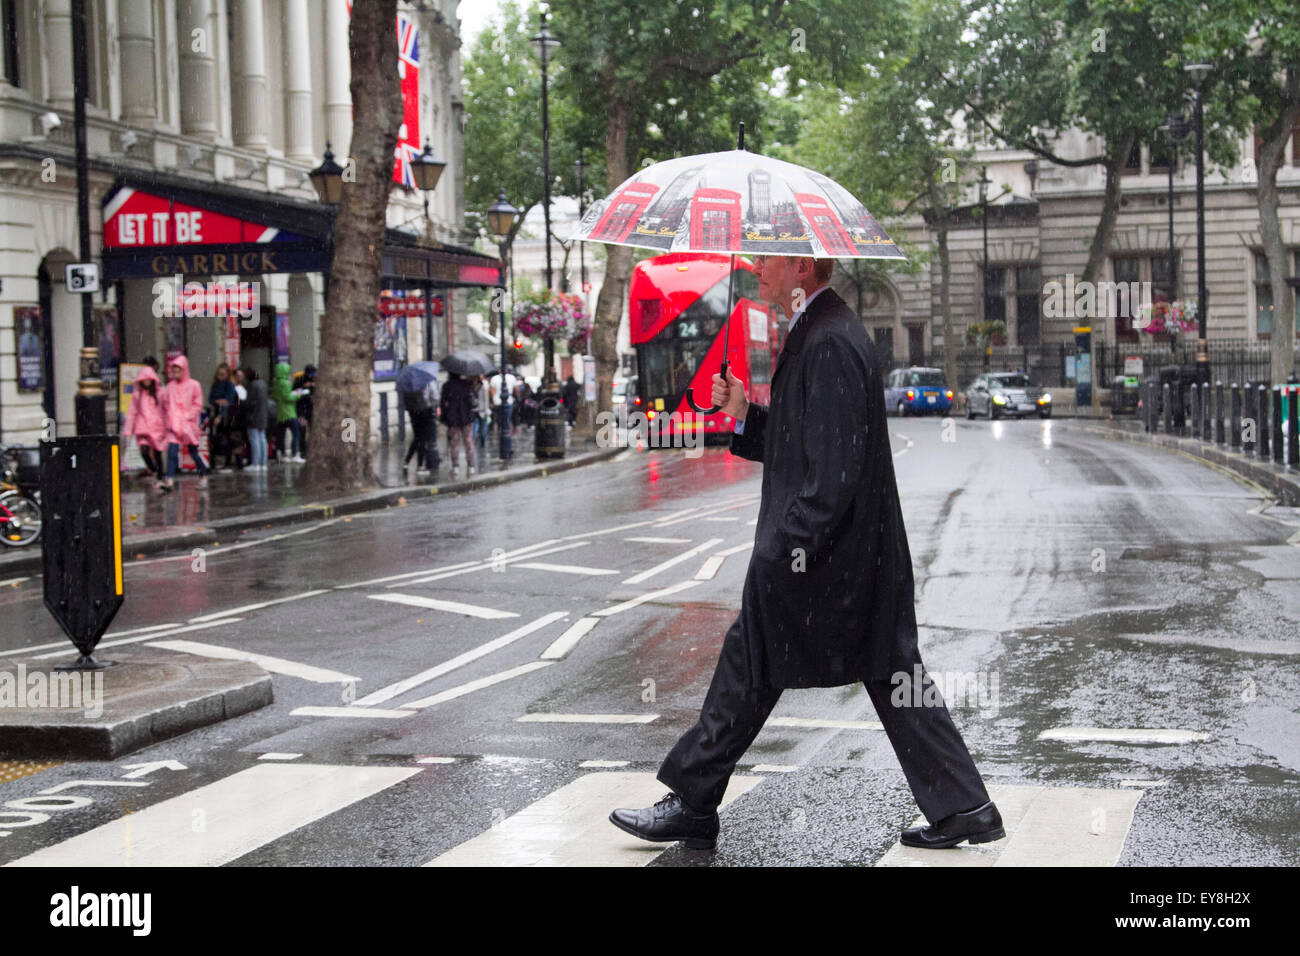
(935, 761)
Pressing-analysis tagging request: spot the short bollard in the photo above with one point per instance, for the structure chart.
(1219, 435)
(1265, 429)
(1234, 395)
(1168, 406)
(1250, 420)
(1196, 410)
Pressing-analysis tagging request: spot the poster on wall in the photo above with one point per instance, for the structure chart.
(232, 341)
(390, 346)
(29, 331)
(110, 348)
(282, 337)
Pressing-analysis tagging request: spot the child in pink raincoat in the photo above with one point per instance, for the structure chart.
(182, 405)
(144, 420)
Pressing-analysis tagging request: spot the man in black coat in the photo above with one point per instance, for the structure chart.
(828, 597)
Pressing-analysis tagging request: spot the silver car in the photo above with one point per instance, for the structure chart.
(1007, 393)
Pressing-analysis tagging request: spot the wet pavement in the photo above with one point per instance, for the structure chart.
(446, 673)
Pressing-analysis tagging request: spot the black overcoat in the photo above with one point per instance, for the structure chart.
(828, 597)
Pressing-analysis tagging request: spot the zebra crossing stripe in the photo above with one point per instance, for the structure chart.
(1046, 826)
(225, 820)
(570, 826)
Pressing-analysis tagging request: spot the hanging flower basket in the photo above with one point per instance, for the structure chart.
(1172, 318)
(551, 315)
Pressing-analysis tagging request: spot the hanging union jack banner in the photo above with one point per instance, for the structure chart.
(408, 71)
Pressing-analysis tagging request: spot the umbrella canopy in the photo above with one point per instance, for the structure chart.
(415, 376)
(468, 362)
(738, 202)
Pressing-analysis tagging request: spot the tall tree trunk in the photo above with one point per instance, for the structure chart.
(618, 263)
(340, 450)
(1099, 249)
(1271, 149)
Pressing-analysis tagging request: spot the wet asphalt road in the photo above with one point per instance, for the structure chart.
(1090, 583)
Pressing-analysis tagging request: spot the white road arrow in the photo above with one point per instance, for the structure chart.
(142, 769)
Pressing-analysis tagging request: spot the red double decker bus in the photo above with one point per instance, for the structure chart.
(677, 312)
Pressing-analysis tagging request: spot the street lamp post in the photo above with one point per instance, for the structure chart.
(1198, 72)
(984, 182)
(1175, 130)
(582, 166)
(427, 172)
(501, 219)
(544, 43)
(90, 400)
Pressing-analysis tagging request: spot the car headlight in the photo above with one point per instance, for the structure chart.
(1044, 398)
(999, 399)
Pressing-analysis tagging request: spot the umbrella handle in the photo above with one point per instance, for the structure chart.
(690, 398)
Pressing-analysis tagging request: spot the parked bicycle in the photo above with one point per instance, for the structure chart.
(20, 495)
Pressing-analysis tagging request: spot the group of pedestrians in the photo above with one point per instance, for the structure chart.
(166, 419)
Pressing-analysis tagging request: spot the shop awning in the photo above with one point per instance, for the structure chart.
(156, 226)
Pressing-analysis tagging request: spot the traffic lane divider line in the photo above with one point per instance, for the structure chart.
(438, 604)
(140, 638)
(643, 598)
(217, 615)
(678, 559)
(472, 686)
(433, 673)
(276, 665)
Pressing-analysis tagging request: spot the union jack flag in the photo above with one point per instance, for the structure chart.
(408, 68)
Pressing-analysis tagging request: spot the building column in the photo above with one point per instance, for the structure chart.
(249, 75)
(297, 81)
(136, 40)
(338, 76)
(197, 68)
(58, 53)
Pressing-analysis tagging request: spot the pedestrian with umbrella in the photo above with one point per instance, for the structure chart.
(828, 596)
(418, 385)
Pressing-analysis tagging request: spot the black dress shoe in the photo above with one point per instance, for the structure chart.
(981, 825)
(670, 820)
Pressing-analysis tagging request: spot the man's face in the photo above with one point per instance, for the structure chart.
(780, 276)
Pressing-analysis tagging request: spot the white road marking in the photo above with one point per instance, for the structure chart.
(1144, 783)
(218, 550)
(560, 647)
(491, 564)
(570, 827)
(565, 568)
(746, 502)
(277, 665)
(709, 569)
(736, 550)
(601, 764)
(665, 565)
(140, 638)
(642, 599)
(732, 518)
(10, 581)
(1046, 826)
(255, 607)
(279, 756)
(460, 660)
(474, 685)
(910, 443)
(409, 574)
(545, 718)
(241, 813)
(1125, 735)
(363, 712)
(151, 629)
(752, 521)
(428, 760)
(774, 767)
(437, 604)
(661, 540)
(815, 723)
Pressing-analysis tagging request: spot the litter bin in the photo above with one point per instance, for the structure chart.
(550, 431)
(1124, 394)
